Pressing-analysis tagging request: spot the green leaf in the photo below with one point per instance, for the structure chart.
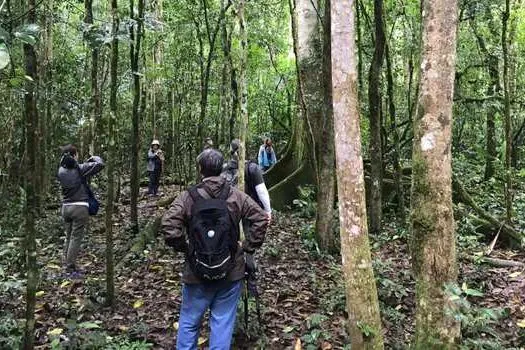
(88, 325)
(4, 56)
(4, 35)
(473, 292)
(28, 33)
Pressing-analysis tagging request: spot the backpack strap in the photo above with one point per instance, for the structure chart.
(225, 192)
(194, 193)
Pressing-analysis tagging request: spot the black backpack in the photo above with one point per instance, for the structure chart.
(212, 235)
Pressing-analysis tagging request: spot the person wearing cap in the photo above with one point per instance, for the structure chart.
(155, 163)
(254, 185)
(222, 296)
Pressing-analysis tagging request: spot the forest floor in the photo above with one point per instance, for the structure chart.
(302, 291)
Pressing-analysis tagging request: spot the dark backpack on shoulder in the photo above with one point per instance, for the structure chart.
(212, 235)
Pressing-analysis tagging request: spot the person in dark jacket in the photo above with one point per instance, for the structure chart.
(75, 199)
(222, 296)
(155, 163)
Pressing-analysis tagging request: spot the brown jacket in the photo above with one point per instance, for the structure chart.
(175, 223)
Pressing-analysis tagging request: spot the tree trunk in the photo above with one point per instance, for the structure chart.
(326, 187)
(31, 190)
(493, 89)
(398, 172)
(243, 89)
(374, 100)
(507, 112)
(110, 276)
(433, 236)
(136, 33)
(361, 293)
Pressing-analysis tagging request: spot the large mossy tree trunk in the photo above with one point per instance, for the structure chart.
(361, 293)
(374, 99)
(298, 166)
(136, 33)
(31, 182)
(326, 185)
(110, 273)
(433, 232)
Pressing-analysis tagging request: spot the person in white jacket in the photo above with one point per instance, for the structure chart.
(254, 185)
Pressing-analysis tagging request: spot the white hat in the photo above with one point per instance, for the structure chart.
(155, 142)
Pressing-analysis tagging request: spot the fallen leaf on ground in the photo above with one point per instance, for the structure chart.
(176, 326)
(138, 303)
(40, 293)
(521, 323)
(55, 331)
(298, 345)
(202, 341)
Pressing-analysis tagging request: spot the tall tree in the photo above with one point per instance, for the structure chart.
(507, 111)
(326, 185)
(31, 190)
(95, 103)
(433, 235)
(136, 32)
(243, 89)
(361, 293)
(110, 275)
(374, 100)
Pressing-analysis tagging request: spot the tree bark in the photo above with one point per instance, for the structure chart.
(507, 112)
(243, 89)
(433, 235)
(398, 171)
(326, 187)
(374, 100)
(31, 189)
(110, 276)
(136, 33)
(361, 293)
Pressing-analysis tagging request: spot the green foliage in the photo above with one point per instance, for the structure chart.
(88, 335)
(366, 329)
(305, 204)
(477, 324)
(10, 332)
(315, 333)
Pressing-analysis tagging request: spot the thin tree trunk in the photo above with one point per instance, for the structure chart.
(326, 188)
(507, 112)
(136, 33)
(243, 89)
(374, 99)
(361, 293)
(398, 171)
(31, 190)
(433, 234)
(110, 278)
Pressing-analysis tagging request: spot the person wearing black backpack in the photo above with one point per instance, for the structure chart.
(78, 201)
(203, 222)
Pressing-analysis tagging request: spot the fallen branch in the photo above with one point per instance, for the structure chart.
(464, 197)
(498, 262)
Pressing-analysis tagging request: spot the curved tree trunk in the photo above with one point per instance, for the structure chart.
(433, 235)
(361, 293)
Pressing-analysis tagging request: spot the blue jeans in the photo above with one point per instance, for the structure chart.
(222, 300)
